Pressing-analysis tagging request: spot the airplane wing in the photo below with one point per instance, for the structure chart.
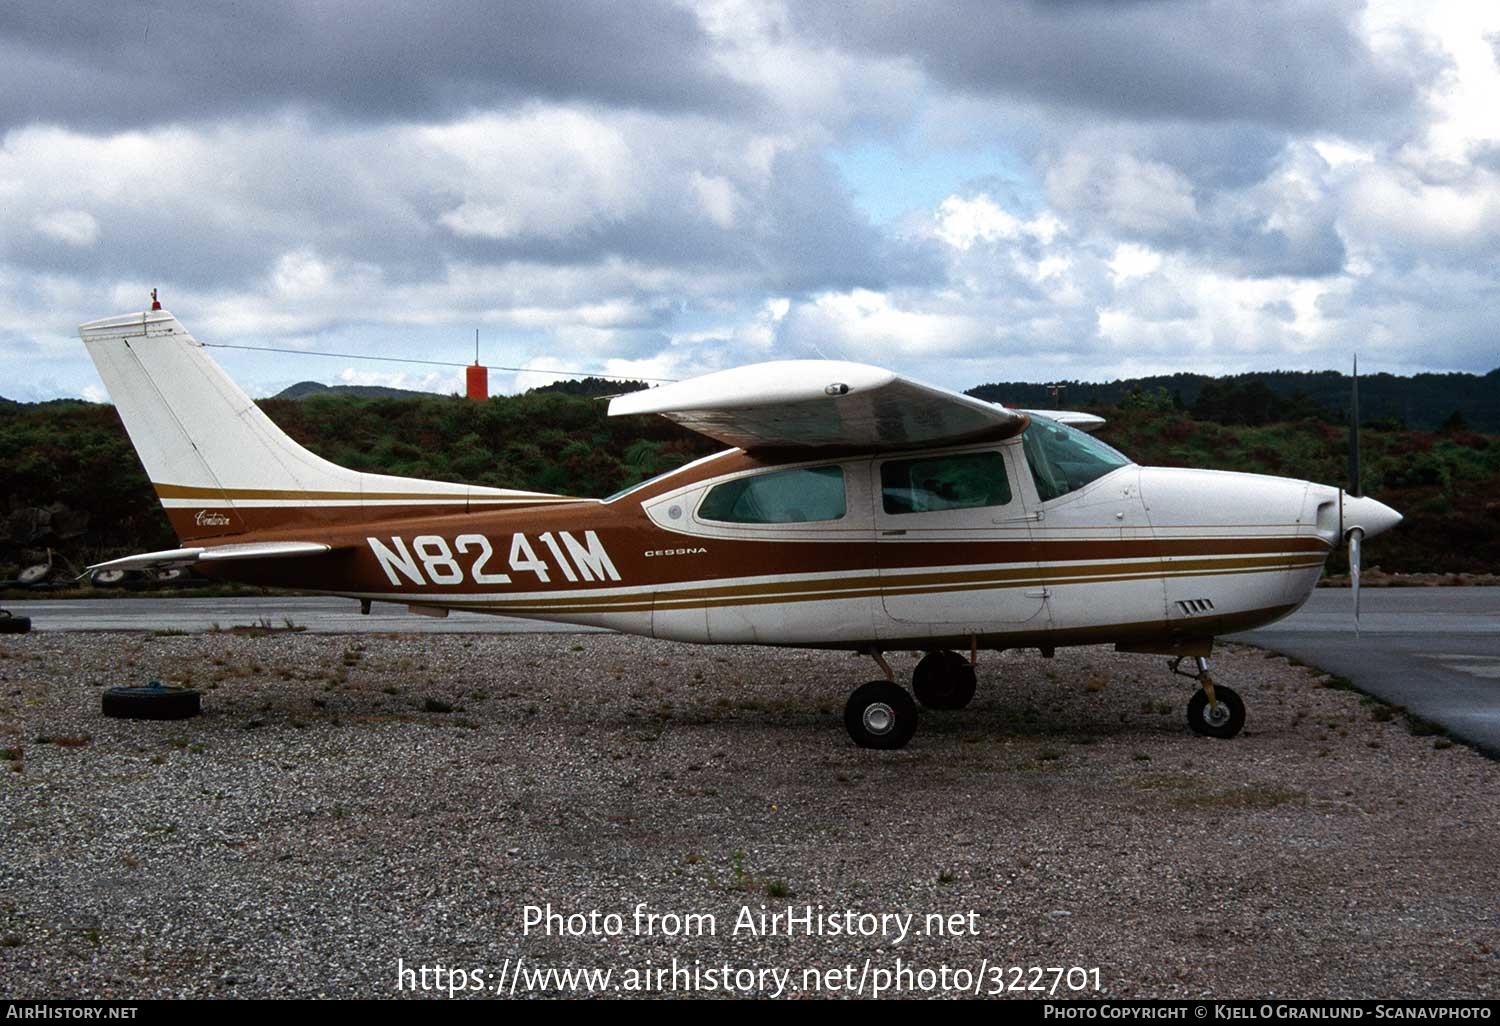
(821, 403)
(213, 554)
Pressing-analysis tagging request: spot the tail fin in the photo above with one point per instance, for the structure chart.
(220, 466)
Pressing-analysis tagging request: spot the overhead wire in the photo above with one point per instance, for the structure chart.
(435, 363)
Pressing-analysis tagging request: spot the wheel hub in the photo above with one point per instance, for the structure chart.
(878, 718)
(1216, 715)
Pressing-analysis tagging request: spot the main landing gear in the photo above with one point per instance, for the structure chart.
(1215, 710)
(881, 714)
(943, 680)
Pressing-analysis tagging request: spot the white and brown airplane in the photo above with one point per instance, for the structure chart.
(856, 510)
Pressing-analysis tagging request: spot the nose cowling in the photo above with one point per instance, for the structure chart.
(1368, 515)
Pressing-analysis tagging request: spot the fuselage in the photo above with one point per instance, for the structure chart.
(995, 545)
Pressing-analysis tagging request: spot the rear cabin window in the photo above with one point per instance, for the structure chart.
(964, 481)
(804, 495)
(1064, 459)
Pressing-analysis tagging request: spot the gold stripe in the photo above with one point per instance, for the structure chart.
(867, 587)
(960, 581)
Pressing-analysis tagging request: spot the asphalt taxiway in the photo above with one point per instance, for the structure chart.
(1433, 651)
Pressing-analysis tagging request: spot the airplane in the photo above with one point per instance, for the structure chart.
(856, 509)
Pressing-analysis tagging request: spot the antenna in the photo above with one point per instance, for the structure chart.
(1355, 484)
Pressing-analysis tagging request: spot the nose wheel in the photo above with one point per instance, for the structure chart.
(1215, 710)
(1224, 717)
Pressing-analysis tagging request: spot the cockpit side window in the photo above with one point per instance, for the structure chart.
(1064, 459)
(801, 495)
(961, 481)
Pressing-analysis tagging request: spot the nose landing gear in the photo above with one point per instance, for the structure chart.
(1215, 710)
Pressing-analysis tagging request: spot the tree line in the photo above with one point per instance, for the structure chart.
(71, 480)
(1422, 402)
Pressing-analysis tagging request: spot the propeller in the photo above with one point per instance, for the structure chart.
(1355, 537)
(1356, 534)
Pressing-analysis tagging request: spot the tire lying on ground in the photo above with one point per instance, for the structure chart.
(33, 575)
(153, 702)
(113, 578)
(12, 624)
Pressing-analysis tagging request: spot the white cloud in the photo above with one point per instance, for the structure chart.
(718, 198)
(301, 275)
(544, 174)
(74, 227)
(1133, 261)
(962, 222)
(871, 326)
(1388, 205)
(1139, 198)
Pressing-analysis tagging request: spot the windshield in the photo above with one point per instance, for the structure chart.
(1064, 459)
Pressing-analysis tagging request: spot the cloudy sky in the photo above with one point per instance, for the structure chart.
(961, 190)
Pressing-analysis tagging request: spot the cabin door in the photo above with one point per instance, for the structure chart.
(954, 542)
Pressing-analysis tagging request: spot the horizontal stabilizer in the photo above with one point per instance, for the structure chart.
(213, 554)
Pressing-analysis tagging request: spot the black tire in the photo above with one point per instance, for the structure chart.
(34, 575)
(880, 715)
(11, 624)
(943, 680)
(1228, 721)
(153, 702)
(114, 578)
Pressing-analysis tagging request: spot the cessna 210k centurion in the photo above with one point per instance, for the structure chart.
(857, 510)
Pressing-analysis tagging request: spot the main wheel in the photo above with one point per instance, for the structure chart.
(1225, 721)
(880, 715)
(943, 680)
(12, 624)
(153, 702)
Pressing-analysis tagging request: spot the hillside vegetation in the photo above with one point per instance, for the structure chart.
(71, 481)
(1422, 401)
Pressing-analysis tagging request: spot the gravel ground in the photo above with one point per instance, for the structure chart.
(345, 803)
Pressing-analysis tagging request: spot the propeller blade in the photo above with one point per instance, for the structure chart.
(1354, 481)
(1355, 537)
